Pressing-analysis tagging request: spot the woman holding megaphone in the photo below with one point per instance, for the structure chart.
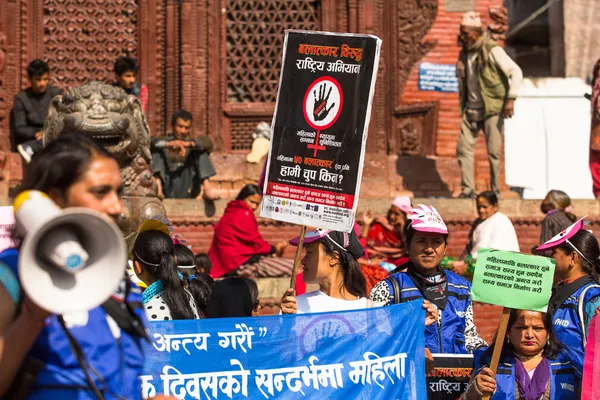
(87, 354)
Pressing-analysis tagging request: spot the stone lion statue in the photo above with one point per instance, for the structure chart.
(115, 120)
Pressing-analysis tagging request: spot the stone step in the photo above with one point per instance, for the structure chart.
(449, 208)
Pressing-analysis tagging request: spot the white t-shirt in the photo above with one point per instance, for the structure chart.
(497, 233)
(318, 301)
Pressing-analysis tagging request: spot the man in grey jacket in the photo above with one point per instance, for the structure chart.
(30, 109)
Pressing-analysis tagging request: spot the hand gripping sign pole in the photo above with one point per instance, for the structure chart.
(499, 342)
(495, 282)
(297, 259)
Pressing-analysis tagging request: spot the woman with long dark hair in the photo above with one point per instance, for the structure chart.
(532, 366)
(238, 248)
(200, 285)
(154, 263)
(84, 355)
(233, 297)
(186, 261)
(576, 293)
(330, 261)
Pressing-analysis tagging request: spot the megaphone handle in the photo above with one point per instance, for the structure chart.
(78, 351)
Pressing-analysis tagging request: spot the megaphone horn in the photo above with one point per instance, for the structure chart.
(71, 259)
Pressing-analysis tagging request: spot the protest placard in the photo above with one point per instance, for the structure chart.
(319, 129)
(513, 280)
(377, 353)
(450, 376)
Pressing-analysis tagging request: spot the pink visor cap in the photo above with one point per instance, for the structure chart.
(427, 219)
(342, 240)
(565, 235)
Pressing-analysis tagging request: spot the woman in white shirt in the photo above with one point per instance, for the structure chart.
(492, 230)
(331, 262)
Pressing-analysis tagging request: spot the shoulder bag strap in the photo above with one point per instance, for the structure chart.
(78, 351)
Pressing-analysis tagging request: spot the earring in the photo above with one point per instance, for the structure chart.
(507, 340)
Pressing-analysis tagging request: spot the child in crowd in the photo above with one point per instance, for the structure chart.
(233, 297)
(126, 69)
(203, 264)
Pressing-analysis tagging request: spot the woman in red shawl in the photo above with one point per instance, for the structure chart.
(238, 248)
(382, 237)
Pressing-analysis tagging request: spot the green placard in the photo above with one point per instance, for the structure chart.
(513, 280)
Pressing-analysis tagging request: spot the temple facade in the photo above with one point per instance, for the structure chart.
(221, 60)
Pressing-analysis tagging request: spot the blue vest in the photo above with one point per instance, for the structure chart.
(118, 361)
(570, 321)
(563, 381)
(449, 337)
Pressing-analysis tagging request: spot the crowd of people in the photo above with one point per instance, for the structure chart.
(51, 356)
(180, 160)
(385, 260)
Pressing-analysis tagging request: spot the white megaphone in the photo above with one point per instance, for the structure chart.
(71, 259)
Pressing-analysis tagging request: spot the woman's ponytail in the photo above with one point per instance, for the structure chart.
(155, 251)
(354, 280)
(174, 294)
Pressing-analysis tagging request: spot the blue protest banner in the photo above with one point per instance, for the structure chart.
(365, 354)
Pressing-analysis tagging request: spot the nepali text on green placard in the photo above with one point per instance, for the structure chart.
(513, 280)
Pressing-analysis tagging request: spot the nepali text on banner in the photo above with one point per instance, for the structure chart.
(377, 353)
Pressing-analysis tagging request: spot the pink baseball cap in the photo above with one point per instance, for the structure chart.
(427, 219)
(565, 235)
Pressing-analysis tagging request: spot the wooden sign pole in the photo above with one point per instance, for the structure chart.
(499, 343)
(297, 259)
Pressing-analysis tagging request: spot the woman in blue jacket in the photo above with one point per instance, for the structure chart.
(532, 365)
(576, 293)
(91, 355)
(426, 239)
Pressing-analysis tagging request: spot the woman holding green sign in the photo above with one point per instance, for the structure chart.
(532, 365)
(426, 238)
(576, 293)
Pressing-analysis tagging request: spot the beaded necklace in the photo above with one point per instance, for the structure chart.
(152, 291)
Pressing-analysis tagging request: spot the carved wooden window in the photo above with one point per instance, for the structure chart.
(254, 40)
(83, 38)
(241, 132)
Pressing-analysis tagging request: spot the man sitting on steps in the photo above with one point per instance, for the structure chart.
(181, 164)
(30, 109)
